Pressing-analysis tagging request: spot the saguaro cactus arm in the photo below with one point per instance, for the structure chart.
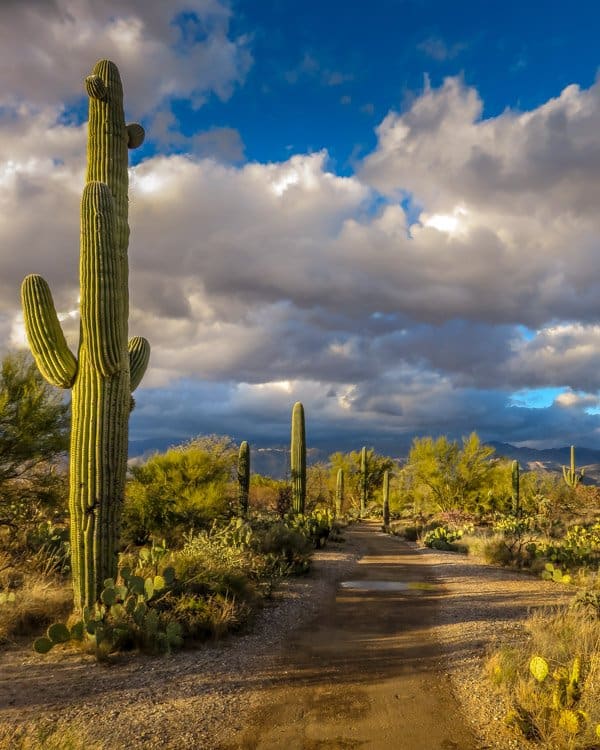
(53, 357)
(139, 355)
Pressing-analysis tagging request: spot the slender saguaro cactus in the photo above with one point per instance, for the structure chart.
(386, 498)
(339, 492)
(516, 492)
(571, 477)
(243, 473)
(298, 459)
(363, 481)
(108, 367)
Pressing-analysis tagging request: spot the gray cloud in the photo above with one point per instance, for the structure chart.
(260, 284)
(47, 49)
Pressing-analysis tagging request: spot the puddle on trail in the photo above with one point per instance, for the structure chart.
(416, 586)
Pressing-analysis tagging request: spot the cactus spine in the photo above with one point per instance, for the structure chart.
(339, 492)
(571, 477)
(516, 493)
(108, 367)
(363, 481)
(244, 476)
(298, 459)
(386, 498)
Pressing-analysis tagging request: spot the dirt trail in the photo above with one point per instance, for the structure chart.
(365, 673)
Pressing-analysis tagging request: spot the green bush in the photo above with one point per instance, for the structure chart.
(185, 488)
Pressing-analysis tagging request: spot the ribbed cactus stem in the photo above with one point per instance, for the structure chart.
(339, 492)
(298, 459)
(363, 481)
(108, 367)
(243, 473)
(386, 498)
(571, 476)
(516, 491)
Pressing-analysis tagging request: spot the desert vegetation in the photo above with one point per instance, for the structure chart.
(185, 545)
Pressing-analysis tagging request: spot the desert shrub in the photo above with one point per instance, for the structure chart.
(214, 616)
(37, 603)
(406, 529)
(552, 680)
(210, 586)
(287, 548)
(185, 488)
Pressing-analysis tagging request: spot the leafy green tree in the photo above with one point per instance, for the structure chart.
(34, 424)
(455, 476)
(186, 487)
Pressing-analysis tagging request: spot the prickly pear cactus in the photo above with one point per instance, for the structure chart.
(244, 476)
(298, 459)
(108, 367)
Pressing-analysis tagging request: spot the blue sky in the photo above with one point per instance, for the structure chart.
(386, 210)
(326, 73)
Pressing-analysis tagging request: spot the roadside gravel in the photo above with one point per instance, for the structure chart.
(191, 700)
(484, 607)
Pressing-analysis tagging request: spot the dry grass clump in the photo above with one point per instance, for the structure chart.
(552, 680)
(38, 603)
(48, 735)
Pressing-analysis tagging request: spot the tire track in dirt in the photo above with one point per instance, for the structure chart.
(366, 672)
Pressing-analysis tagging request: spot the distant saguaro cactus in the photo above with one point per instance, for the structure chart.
(570, 475)
(516, 491)
(386, 498)
(363, 481)
(243, 474)
(298, 459)
(108, 367)
(339, 492)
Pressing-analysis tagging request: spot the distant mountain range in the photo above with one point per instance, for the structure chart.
(274, 461)
(553, 459)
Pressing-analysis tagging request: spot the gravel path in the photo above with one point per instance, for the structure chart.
(201, 699)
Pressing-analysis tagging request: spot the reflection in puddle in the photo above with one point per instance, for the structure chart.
(388, 585)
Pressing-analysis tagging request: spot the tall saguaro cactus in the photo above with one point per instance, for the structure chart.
(516, 491)
(243, 473)
(571, 477)
(386, 498)
(363, 481)
(108, 367)
(298, 459)
(339, 492)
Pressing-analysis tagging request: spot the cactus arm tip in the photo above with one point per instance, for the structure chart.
(53, 357)
(139, 355)
(135, 135)
(96, 88)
